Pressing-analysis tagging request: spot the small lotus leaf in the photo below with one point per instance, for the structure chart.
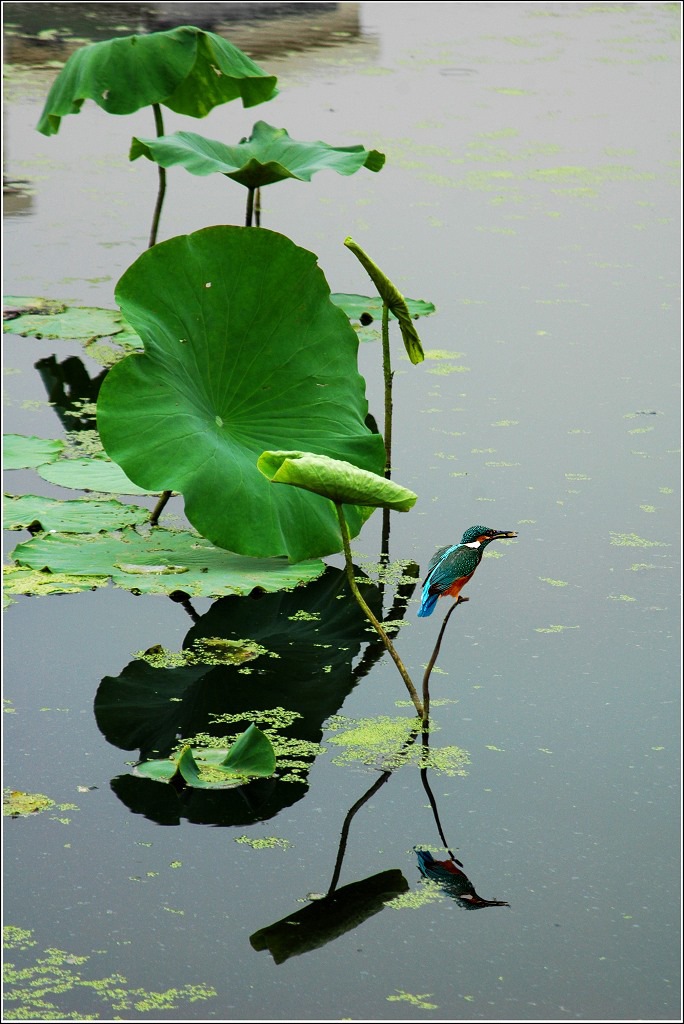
(71, 322)
(268, 156)
(339, 481)
(21, 452)
(251, 756)
(358, 306)
(186, 69)
(84, 515)
(161, 770)
(160, 562)
(18, 305)
(243, 352)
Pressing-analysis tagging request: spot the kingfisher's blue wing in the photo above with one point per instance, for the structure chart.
(436, 559)
(454, 563)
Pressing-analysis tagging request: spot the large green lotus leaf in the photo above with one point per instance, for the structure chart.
(244, 352)
(269, 155)
(338, 481)
(21, 452)
(97, 473)
(186, 69)
(84, 515)
(160, 562)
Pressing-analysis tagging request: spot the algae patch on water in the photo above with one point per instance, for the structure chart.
(207, 650)
(46, 988)
(389, 743)
(632, 540)
(17, 804)
(415, 1000)
(265, 843)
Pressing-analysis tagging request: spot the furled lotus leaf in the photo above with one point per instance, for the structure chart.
(393, 299)
(339, 481)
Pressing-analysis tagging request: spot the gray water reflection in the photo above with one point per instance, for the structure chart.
(530, 191)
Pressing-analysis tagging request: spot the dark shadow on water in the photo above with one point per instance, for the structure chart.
(312, 638)
(344, 908)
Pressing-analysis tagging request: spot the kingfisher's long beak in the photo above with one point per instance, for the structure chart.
(506, 533)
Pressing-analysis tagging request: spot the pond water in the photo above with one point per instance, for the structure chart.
(531, 193)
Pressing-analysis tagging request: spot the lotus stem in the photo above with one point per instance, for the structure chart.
(388, 375)
(159, 125)
(433, 659)
(250, 207)
(344, 835)
(158, 508)
(344, 530)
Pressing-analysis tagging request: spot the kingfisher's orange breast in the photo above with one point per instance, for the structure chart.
(456, 587)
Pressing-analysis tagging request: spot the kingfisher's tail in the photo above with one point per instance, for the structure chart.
(427, 605)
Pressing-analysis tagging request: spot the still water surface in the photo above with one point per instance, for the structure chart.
(531, 192)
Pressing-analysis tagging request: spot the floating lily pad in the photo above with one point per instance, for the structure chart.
(20, 581)
(20, 452)
(70, 323)
(14, 306)
(98, 473)
(243, 352)
(186, 69)
(160, 562)
(367, 308)
(84, 515)
(268, 156)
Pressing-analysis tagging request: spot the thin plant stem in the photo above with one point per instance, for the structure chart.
(433, 659)
(384, 537)
(158, 508)
(159, 125)
(388, 375)
(257, 208)
(431, 796)
(344, 530)
(161, 192)
(250, 208)
(344, 835)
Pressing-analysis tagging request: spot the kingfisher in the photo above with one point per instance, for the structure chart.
(454, 881)
(451, 567)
